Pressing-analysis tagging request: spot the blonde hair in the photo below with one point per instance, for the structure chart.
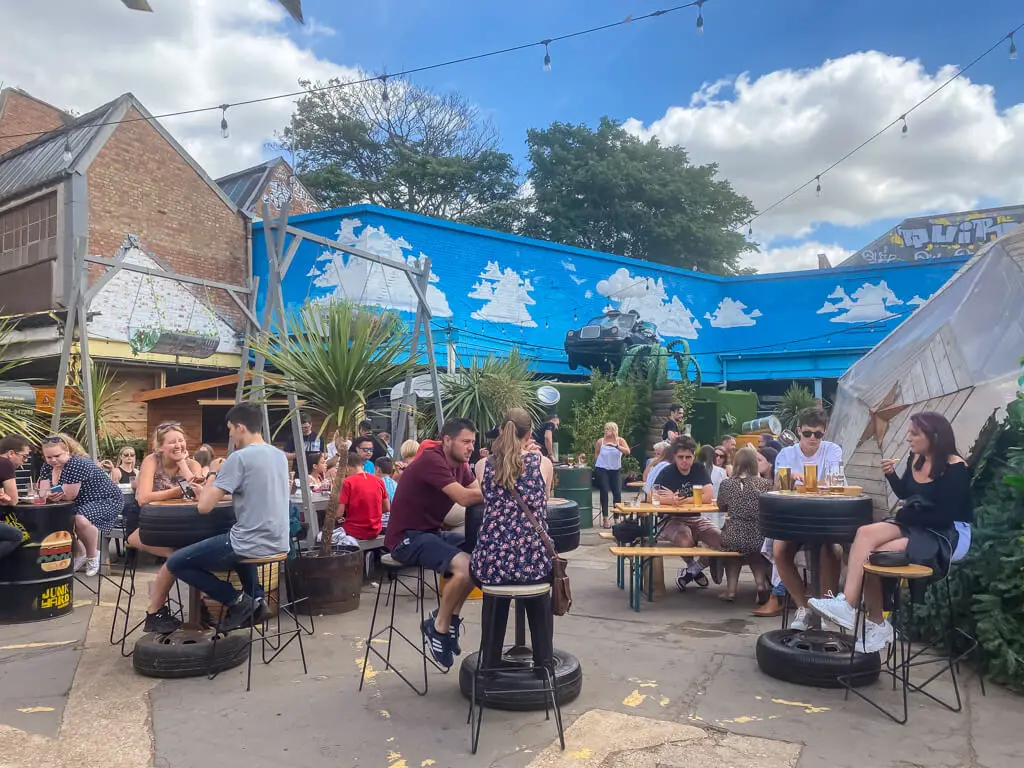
(613, 427)
(73, 446)
(409, 449)
(160, 433)
(507, 449)
(745, 463)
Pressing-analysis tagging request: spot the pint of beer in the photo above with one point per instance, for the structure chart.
(785, 479)
(811, 478)
(698, 494)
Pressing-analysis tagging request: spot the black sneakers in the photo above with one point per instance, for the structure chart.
(239, 615)
(454, 630)
(439, 645)
(161, 622)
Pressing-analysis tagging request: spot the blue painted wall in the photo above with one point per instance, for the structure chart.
(500, 291)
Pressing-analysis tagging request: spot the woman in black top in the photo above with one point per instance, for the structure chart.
(936, 489)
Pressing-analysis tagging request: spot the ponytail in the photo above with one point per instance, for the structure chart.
(507, 451)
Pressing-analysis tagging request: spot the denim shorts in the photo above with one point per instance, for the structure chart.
(432, 550)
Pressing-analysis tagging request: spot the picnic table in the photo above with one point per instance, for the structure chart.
(648, 514)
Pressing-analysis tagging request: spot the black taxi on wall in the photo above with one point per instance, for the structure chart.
(602, 342)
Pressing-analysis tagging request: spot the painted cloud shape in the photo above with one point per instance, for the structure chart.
(369, 283)
(731, 313)
(507, 296)
(651, 301)
(868, 303)
(916, 301)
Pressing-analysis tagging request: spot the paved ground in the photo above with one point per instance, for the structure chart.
(675, 685)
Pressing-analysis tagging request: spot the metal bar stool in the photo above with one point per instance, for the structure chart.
(902, 615)
(267, 639)
(483, 669)
(396, 578)
(128, 574)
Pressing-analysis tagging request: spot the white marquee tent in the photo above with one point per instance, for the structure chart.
(958, 354)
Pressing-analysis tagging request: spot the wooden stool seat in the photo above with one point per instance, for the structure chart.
(516, 590)
(279, 558)
(899, 572)
(670, 552)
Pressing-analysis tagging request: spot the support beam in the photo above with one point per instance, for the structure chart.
(166, 274)
(428, 337)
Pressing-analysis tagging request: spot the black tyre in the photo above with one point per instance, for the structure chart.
(815, 658)
(186, 653)
(527, 696)
(573, 364)
(180, 524)
(798, 517)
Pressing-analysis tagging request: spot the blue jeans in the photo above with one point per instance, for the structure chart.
(194, 565)
(779, 590)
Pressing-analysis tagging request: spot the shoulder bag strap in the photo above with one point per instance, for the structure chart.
(549, 545)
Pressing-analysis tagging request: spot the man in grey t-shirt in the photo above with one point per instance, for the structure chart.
(256, 477)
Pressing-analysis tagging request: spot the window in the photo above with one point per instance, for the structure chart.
(28, 233)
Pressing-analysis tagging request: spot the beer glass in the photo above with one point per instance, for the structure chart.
(785, 479)
(698, 494)
(811, 478)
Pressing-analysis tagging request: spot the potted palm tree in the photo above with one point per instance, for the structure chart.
(338, 356)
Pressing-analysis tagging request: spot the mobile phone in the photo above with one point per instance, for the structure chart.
(186, 489)
(55, 489)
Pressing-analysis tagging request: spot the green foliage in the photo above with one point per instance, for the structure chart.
(341, 357)
(611, 401)
(484, 392)
(650, 362)
(631, 468)
(412, 150)
(685, 394)
(794, 400)
(607, 190)
(988, 586)
(106, 394)
(16, 420)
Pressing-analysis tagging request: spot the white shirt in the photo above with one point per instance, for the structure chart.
(718, 474)
(652, 477)
(827, 456)
(332, 449)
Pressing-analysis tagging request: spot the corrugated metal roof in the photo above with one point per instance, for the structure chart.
(40, 161)
(242, 185)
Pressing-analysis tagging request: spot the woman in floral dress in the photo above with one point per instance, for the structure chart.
(509, 550)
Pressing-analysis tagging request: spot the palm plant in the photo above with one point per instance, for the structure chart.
(485, 391)
(106, 395)
(338, 356)
(794, 400)
(16, 419)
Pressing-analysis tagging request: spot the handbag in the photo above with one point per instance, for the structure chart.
(561, 593)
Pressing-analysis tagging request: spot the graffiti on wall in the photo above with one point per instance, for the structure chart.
(936, 237)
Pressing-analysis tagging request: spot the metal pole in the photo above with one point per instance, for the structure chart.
(408, 396)
(428, 337)
(70, 321)
(83, 349)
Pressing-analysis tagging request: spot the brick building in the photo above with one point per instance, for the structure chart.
(114, 181)
(271, 182)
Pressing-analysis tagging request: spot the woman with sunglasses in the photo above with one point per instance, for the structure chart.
(713, 460)
(97, 499)
(126, 470)
(160, 478)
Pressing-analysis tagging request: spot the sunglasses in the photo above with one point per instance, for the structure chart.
(817, 434)
(53, 439)
(719, 455)
(169, 424)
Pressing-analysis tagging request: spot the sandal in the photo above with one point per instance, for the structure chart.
(725, 597)
(701, 580)
(606, 523)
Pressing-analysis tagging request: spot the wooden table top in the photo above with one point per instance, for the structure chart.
(899, 571)
(635, 484)
(662, 509)
(670, 552)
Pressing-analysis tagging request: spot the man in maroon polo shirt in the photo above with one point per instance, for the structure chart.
(437, 478)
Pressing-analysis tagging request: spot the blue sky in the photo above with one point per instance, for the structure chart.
(796, 86)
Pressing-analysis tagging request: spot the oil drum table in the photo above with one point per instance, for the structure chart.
(36, 579)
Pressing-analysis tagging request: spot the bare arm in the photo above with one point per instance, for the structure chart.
(708, 494)
(144, 493)
(466, 495)
(549, 442)
(597, 451)
(209, 498)
(624, 446)
(547, 471)
(11, 489)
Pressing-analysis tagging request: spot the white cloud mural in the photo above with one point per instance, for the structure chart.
(132, 301)
(577, 280)
(506, 296)
(588, 295)
(651, 301)
(731, 313)
(916, 301)
(369, 283)
(868, 303)
(568, 266)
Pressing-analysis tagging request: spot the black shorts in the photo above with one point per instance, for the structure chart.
(432, 550)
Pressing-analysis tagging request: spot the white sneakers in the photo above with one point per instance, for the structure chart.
(835, 609)
(78, 563)
(876, 637)
(92, 565)
(803, 620)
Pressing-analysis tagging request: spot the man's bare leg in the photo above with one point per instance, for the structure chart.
(785, 555)
(456, 591)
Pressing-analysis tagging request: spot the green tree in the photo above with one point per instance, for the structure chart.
(607, 190)
(398, 145)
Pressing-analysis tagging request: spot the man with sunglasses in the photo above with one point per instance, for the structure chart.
(812, 449)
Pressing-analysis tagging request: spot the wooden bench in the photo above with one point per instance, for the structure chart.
(651, 559)
(606, 535)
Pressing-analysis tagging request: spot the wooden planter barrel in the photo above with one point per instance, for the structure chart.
(329, 584)
(36, 580)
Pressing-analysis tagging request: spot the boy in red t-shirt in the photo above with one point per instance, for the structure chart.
(363, 501)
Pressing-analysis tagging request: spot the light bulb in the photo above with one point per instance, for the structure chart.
(817, 190)
(750, 231)
(224, 133)
(1013, 48)
(700, 17)
(384, 89)
(903, 130)
(547, 57)
(67, 156)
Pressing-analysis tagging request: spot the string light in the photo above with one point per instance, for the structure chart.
(67, 155)
(903, 130)
(750, 231)
(700, 17)
(817, 189)
(1013, 48)
(547, 56)
(384, 89)
(224, 133)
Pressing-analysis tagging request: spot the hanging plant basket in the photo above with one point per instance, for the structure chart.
(167, 342)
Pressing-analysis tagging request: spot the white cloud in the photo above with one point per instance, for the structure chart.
(588, 295)
(827, 309)
(568, 266)
(577, 280)
(369, 283)
(868, 303)
(732, 313)
(773, 133)
(187, 53)
(795, 257)
(651, 301)
(916, 301)
(506, 294)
